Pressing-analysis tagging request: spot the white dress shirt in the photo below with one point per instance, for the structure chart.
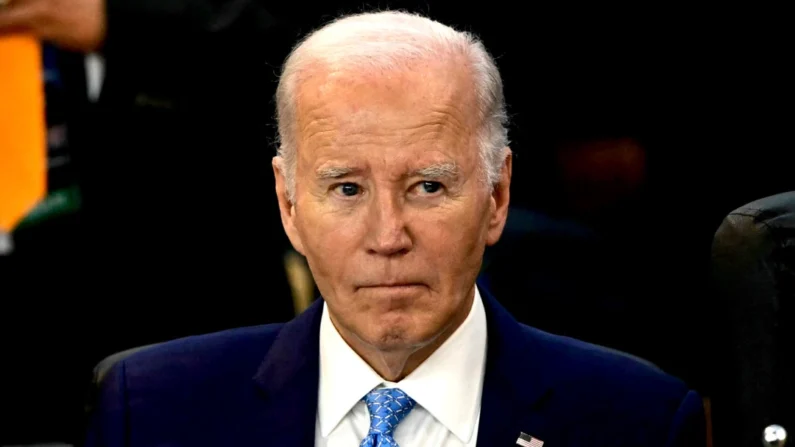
(447, 388)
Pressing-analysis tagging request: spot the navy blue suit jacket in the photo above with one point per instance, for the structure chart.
(258, 387)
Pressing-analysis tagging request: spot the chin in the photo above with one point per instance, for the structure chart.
(390, 333)
(400, 337)
(390, 343)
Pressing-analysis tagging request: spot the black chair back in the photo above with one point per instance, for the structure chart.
(753, 273)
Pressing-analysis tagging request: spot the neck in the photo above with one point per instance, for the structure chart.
(396, 364)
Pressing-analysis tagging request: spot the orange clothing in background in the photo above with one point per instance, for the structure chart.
(23, 146)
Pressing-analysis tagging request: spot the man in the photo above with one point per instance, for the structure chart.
(392, 177)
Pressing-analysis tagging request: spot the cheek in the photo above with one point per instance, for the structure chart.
(330, 239)
(454, 238)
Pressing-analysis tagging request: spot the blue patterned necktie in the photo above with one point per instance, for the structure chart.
(387, 407)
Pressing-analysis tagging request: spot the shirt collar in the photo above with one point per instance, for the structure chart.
(344, 377)
(448, 384)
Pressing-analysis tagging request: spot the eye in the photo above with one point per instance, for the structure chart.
(348, 189)
(429, 187)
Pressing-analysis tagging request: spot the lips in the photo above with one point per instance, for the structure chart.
(391, 285)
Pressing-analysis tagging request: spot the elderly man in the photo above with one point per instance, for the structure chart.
(392, 177)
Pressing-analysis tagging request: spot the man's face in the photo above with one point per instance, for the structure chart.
(391, 210)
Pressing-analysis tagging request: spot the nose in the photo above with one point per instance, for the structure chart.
(387, 233)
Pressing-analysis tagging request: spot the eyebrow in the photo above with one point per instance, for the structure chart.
(334, 172)
(437, 171)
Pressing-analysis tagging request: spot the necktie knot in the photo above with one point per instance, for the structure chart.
(387, 407)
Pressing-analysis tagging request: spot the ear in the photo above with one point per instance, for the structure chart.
(286, 207)
(500, 199)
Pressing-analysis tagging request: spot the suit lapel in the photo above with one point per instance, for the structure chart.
(517, 386)
(288, 381)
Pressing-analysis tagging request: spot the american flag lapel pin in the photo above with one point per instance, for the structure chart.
(526, 440)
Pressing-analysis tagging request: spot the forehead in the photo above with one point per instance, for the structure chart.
(430, 106)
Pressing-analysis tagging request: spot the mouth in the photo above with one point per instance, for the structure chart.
(392, 286)
(392, 289)
(391, 296)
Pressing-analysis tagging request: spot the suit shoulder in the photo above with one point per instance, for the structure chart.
(192, 360)
(601, 391)
(213, 341)
(595, 367)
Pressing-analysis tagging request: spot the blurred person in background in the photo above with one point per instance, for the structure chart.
(179, 229)
(174, 160)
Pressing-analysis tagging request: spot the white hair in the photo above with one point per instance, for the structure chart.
(384, 41)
